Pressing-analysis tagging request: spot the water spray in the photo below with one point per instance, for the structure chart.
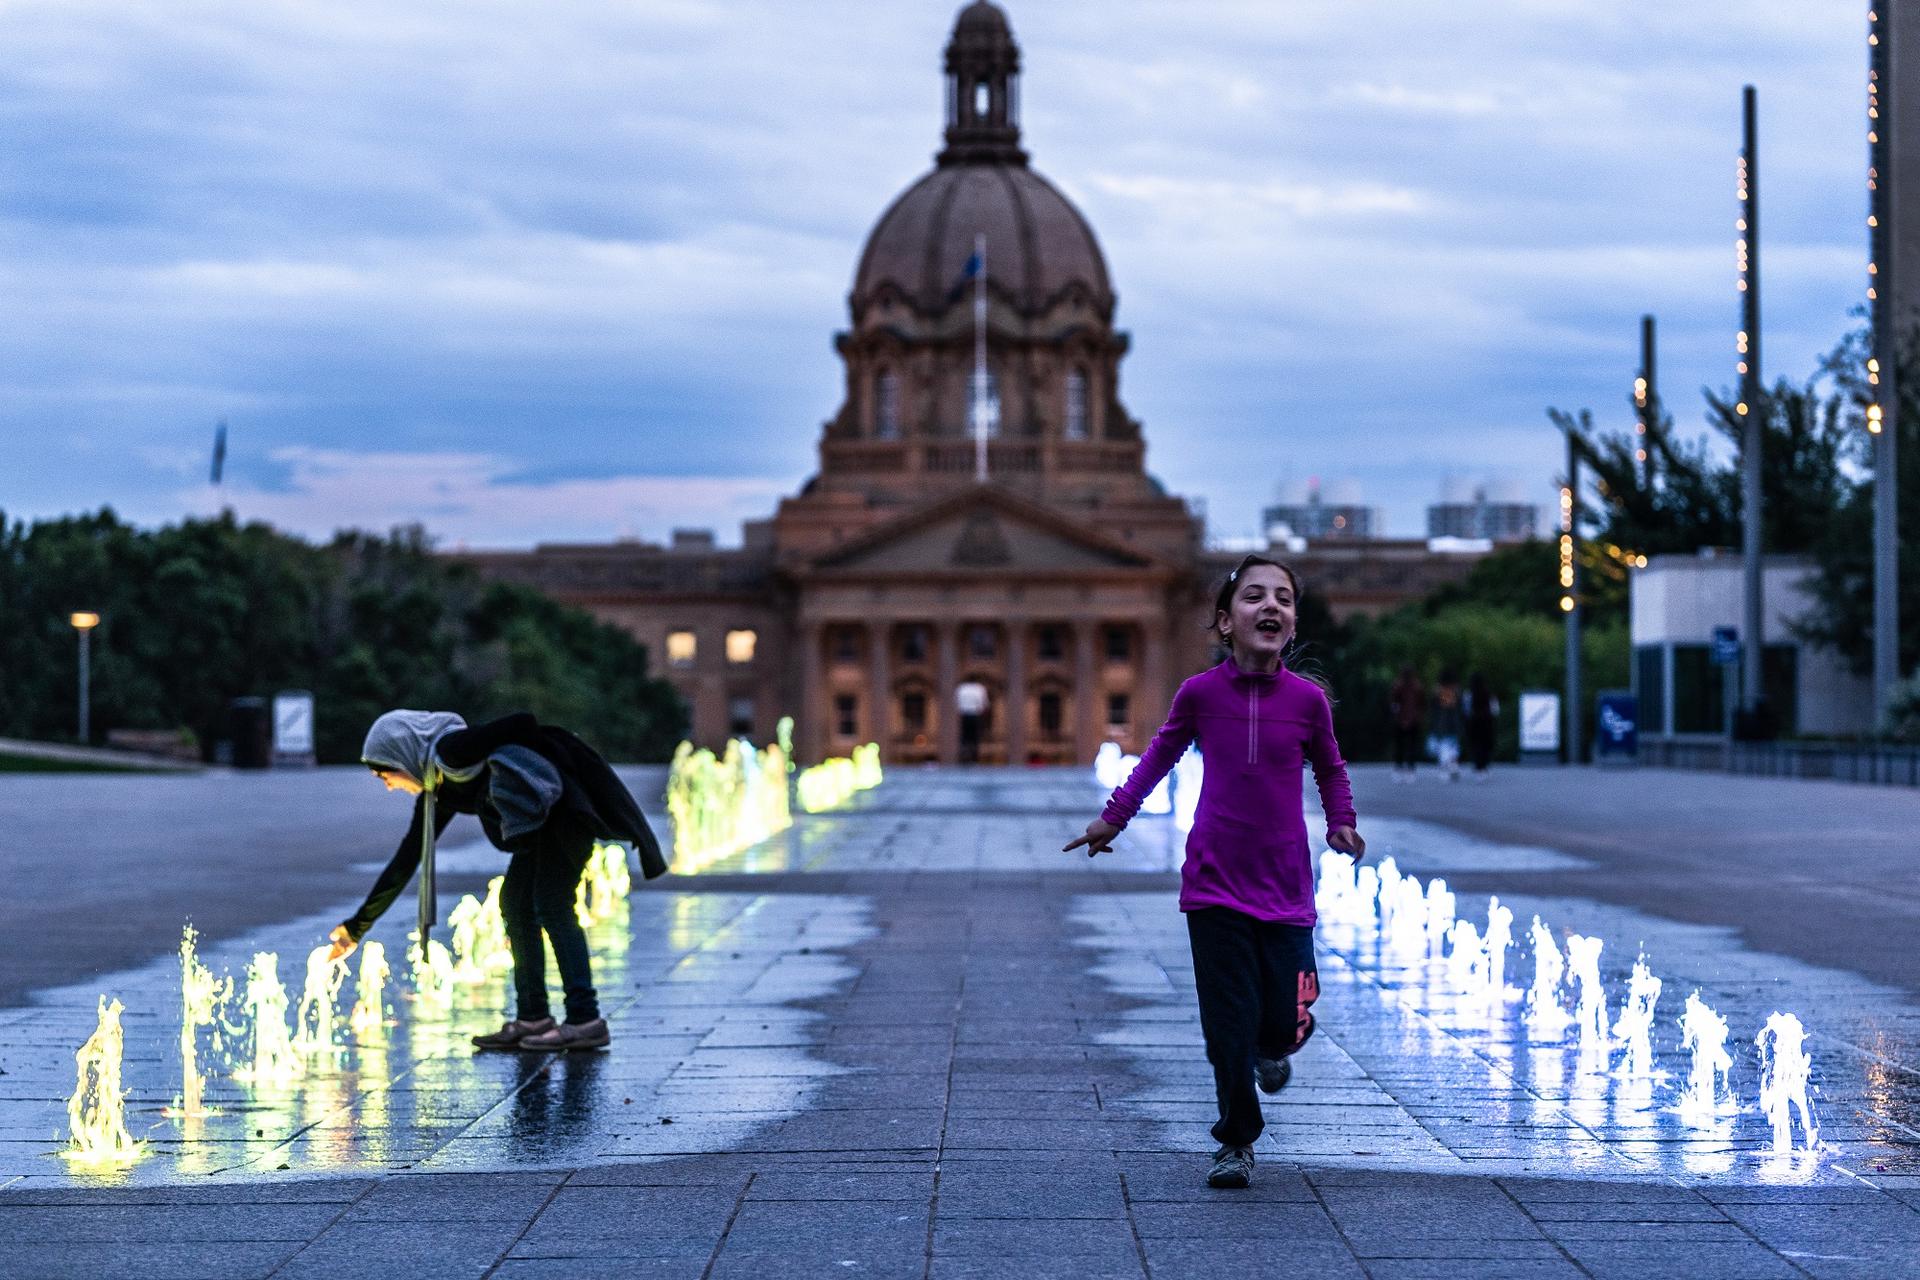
(1785, 1073)
(369, 1016)
(1635, 1027)
(97, 1111)
(1703, 1033)
(273, 1061)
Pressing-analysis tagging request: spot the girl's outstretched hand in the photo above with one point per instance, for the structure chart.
(343, 944)
(1348, 841)
(1098, 839)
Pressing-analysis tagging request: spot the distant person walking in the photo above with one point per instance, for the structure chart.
(1247, 884)
(1407, 705)
(1447, 723)
(543, 796)
(1483, 709)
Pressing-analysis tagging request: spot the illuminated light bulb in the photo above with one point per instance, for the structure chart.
(1566, 604)
(1639, 455)
(1873, 364)
(1742, 366)
(1872, 295)
(1741, 408)
(1873, 268)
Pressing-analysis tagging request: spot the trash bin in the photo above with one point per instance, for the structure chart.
(251, 728)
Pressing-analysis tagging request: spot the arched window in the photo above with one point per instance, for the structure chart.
(886, 405)
(982, 98)
(1076, 419)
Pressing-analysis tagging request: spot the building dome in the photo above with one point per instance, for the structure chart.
(1038, 247)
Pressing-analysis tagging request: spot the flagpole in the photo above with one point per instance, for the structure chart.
(980, 406)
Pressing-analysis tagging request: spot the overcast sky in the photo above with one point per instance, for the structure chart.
(570, 271)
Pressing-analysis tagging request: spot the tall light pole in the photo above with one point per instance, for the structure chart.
(1646, 403)
(84, 623)
(1570, 592)
(1883, 366)
(1749, 407)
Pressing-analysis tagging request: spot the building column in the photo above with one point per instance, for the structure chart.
(810, 740)
(1015, 734)
(1150, 703)
(947, 636)
(879, 698)
(1085, 693)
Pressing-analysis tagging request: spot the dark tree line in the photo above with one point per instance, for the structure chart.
(196, 614)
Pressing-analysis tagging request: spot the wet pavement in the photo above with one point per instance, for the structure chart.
(912, 1039)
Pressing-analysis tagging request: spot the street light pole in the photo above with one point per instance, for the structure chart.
(84, 623)
(1883, 366)
(1749, 408)
(1570, 592)
(1646, 404)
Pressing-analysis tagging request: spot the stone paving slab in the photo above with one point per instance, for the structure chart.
(981, 1070)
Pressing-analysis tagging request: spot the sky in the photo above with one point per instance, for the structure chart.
(570, 271)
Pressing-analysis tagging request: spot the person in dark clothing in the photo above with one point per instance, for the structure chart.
(544, 797)
(1446, 723)
(1482, 707)
(1407, 704)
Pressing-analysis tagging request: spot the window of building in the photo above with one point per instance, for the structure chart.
(886, 405)
(913, 644)
(1119, 644)
(740, 717)
(1051, 643)
(1076, 422)
(982, 96)
(846, 715)
(740, 645)
(1050, 715)
(1119, 712)
(913, 711)
(846, 644)
(681, 649)
(981, 642)
(1650, 687)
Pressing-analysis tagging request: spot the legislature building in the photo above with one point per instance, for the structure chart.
(982, 567)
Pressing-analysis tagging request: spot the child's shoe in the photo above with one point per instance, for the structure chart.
(569, 1036)
(1232, 1168)
(1273, 1073)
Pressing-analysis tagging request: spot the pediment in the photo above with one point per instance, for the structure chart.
(986, 532)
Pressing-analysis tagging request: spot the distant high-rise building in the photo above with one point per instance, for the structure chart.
(1476, 515)
(1308, 515)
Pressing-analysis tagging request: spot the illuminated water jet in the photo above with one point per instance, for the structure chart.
(369, 1016)
(1440, 903)
(1466, 958)
(272, 1060)
(201, 995)
(314, 1023)
(1703, 1033)
(1499, 938)
(1635, 1028)
(97, 1111)
(1590, 1015)
(433, 977)
(720, 806)
(1546, 1016)
(1785, 1074)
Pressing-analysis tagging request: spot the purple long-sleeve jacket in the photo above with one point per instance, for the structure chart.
(1248, 848)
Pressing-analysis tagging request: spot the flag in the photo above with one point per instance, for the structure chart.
(976, 261)
(975, 268)
(219, 451)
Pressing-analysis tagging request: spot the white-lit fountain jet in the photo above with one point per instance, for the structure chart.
(1546, 1017)
(1404, 911)
(1439, 915)
(1785, 1074)
(369, 1016)
(1467, 960)
(1335, 895)
(1635, 1027)
(272, 1061)
(1590, 1015)
(97, 1111)
(1499, 938)
(1703, 1033)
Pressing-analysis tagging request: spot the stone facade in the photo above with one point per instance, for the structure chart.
(900, 584)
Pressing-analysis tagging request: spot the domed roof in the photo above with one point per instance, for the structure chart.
(982, 16)
(1037, 242)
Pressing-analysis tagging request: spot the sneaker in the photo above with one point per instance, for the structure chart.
(1273, 1073)
(569, 1036)
(1232, 1168)
(512, 1033)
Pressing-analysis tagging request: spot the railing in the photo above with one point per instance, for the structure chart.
(1878, 765)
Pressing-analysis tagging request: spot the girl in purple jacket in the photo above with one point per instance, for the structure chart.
(1247, 884)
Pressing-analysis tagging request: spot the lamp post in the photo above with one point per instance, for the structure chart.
(84, 623)
(1570, 592)
(1883, 366)
(1749, 408)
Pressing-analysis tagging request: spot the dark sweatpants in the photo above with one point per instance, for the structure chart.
(538, 895)
(1256, 980)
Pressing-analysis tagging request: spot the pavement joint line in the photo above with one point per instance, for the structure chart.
(1139, 1245)
(1554, 1240)
(946, 1105)
(372, 1186)
(719, 1246)
(1306, 1176)
(507, 1252)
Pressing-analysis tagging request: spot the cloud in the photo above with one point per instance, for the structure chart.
(481, 500)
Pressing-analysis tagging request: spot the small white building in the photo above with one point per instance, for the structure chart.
(1676, 603)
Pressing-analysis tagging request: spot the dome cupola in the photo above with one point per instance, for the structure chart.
(983, 90)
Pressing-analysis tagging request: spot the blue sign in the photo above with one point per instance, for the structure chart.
(1617, 727)
(1726, 646)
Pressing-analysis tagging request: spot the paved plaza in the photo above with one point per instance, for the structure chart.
(911, 1038)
